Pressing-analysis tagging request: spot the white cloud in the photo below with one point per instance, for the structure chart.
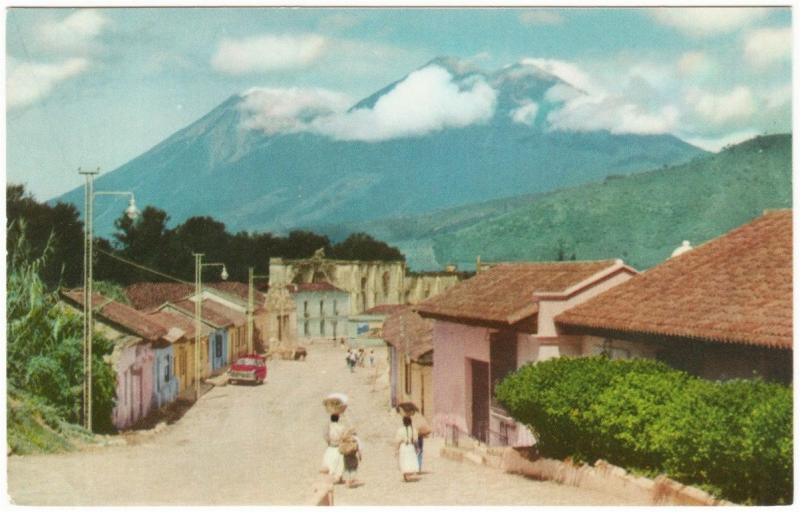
(716, 143)
(526, 113)
(615, 105)
(612, 113)
(540, 17)
(768, 46)
(268, 53)
(29, 82)
(778, 97)
(719, 109)
(708, 21)
(274, 110)
(75, 33)
(426, 101)
(566, 71)
(561, 92)
(693, 63)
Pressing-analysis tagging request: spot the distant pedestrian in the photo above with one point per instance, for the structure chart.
(341, 342)
(351, 360)
(371, 358)
(406, 441)
(361, 357)
(333, 461)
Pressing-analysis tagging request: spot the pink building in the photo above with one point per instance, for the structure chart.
(136, 338)
(490, 325)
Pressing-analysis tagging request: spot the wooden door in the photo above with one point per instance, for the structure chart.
(480, 400)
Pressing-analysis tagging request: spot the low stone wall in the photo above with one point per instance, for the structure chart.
(602, 477)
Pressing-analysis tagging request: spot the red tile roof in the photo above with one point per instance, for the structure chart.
(383, 309)
(213, 312)
(408, 332)
(183, 320)
(505, 293)
(149, 295)
(124, 316)
(736, 288)
(313, 287)
(171, 321)
(152, 295)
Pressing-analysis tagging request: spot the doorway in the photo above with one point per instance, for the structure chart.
(480, 400)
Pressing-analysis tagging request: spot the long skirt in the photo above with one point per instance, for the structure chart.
(408, 459)
(333, 461)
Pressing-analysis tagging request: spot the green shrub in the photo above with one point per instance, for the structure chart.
(44, 351)
(732, 438)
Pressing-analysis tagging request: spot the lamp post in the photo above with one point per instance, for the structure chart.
(250, 278)
(88, 258)
(198, 302)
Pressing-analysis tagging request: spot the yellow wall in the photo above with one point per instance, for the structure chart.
(185, 349)
(421, 385)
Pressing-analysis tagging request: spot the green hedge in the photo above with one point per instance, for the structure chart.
(732, 438)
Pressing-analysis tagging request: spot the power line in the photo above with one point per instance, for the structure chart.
(141, 267)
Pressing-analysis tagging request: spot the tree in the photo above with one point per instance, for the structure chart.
(361, 246)
(143, 240)
(44, 353)
(303, 244)
(57, 225)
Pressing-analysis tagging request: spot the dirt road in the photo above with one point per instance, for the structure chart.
(262, 445)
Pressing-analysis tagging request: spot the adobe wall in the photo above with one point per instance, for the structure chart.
(452, 375)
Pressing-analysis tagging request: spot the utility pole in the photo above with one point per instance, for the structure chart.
(198, 304)
(88, 279)
(87, 295)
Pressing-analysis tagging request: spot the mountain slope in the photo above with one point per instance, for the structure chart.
(259, 180)
(640, 218)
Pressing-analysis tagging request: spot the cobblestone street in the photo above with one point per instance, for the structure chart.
(262, 445)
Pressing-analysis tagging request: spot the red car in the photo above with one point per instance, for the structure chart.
(250, 368)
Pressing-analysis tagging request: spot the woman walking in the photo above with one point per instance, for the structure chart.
(406, 440)
(333, 460)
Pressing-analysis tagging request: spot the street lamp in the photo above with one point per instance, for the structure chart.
(88, 258)
(250, 278)
(198, 302)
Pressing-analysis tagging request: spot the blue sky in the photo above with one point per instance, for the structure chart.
(97, 87)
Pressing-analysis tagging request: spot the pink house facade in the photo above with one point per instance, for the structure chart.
(135, 338)
(490, 325)
(133, 362)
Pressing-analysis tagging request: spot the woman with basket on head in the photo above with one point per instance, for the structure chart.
(333, 460)
(406, 440)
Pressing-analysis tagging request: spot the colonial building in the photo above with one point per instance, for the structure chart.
(148, 296)
(369, 283)
(721, 310)
(410, 341)
(490, 325)
(282, 317)
(322, 310)
(184, 348)
(144, 380)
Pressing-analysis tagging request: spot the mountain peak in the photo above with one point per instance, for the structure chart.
(456, 66)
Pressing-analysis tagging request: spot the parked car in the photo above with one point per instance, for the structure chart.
(250, 368)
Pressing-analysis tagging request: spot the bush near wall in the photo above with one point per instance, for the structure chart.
(732, 438)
